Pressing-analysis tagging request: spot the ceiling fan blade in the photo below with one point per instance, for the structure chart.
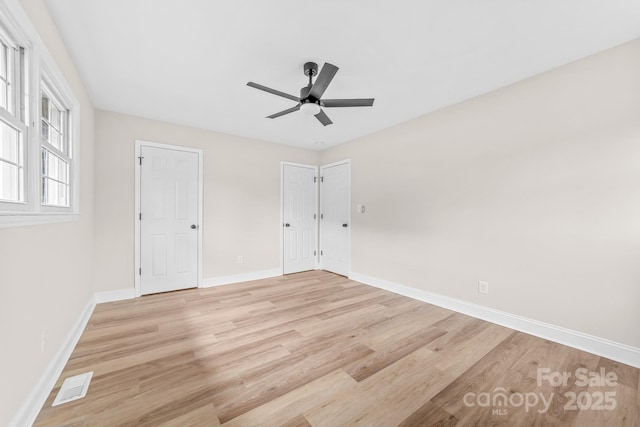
(323, 80)
(361, 102)
(273, 91)
(323, 118)
(282, 113)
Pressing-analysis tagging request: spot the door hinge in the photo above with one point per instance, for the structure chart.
(315, 179)
(314, 253)
(321, 216)
(322, 179)
(140, 159)
(140, 272)
(321, 253)
(314, 216)
(140, 217)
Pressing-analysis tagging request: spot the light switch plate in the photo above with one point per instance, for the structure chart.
(483, 287)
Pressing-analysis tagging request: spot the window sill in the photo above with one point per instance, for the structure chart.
(10, 220)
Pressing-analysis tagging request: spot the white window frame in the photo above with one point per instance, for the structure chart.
(40, 67)
(16, 119)
(47, 86)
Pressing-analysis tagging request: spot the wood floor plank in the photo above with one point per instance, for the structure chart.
(316, 349)
(429, 414)
(392, 394)
(484, 373)
(204, 416)
(458, 357)
(396, 328)
(275, 380)
(378, 360)
(298, 401)
(299, 421)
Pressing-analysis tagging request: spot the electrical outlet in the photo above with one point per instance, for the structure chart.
(43, 340)
(239, 260)
(483, 287)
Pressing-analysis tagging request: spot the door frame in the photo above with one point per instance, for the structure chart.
(136, 219)
(322, 167)
(315, 207)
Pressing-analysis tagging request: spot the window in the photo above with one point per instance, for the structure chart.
(39, 126)
(12, 128)
(55, 149)
(11, 164)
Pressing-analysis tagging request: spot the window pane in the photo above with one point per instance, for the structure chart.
(9, 143)
(55, 117)
(54, 167)
(45, 191)
(51, 135)
(55, 139)
(44, 130)
(54, 193)
(11, 166)
(55, 179)
(3, 94)
(45, 107)
(9, 182)
(6, 77)
(52, 126)
(63, 199)
(3, 61)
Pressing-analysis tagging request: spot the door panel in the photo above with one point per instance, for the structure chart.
(335, 221)
(299, 218)
(169, 209)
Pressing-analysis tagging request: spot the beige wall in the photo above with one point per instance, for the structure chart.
(534, 188)
(46, 272)
(241, 197)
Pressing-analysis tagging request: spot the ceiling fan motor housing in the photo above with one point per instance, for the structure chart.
(310, 69)
(305, 97)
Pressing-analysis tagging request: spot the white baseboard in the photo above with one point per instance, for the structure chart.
(592, 344)
(117, 295)
(237, 278)
(30, 408)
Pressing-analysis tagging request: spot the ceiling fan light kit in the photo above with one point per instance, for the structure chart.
(310, 100)
(310, 108)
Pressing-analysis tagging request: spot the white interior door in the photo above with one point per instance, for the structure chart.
(168, 219)
(334, 218)
(298, 218)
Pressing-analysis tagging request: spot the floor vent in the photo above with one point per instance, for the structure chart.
(73, 388)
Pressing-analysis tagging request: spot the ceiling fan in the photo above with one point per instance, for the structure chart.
(310, 101)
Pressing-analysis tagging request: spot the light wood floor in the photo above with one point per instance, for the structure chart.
(318, 349)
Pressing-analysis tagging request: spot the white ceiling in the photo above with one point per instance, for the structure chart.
(188, 61)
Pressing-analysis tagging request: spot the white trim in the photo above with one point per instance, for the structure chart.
(243, 277)
(116, 295)
(316, 208)
(349, 221)
(23, 220)
(590, 343)
(32, 405)
(138, 149)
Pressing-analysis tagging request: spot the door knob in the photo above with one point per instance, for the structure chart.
(345, 225)
(193, 226)
(287, 225)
